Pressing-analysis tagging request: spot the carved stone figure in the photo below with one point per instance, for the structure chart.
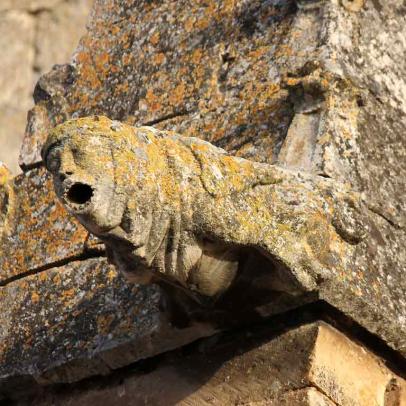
(181, 210)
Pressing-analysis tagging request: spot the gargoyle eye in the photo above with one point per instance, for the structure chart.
(53, 161)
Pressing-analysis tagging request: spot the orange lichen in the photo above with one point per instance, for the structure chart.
(159, 58)
(177, 95)
(154, 39)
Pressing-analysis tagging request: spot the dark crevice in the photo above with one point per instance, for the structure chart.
(168, 117)
(29, 167)
(324, 175)
(388, 220)
(88, 254)
(320, 310)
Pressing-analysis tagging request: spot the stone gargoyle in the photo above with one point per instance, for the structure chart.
(180, 210)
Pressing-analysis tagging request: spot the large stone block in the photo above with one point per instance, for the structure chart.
(206, 69)
(311, 365)
(64, 324)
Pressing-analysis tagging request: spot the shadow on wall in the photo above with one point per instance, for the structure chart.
(34, 35)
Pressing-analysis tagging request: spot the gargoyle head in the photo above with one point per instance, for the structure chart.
(96, 165)
(79, 157)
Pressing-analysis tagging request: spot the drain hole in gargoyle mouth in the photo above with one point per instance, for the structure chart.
(80, 193)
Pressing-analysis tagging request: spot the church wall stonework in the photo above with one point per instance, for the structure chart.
(316, 87)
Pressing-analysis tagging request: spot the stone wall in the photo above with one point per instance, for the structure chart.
(314, 86)
(34, 35)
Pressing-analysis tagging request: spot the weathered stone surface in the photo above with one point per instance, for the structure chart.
(82, 319)
(304, 397)
(224, 49)
(312, 79)
(255, 367)
(39, 231)
(38, 125)
(347, 373)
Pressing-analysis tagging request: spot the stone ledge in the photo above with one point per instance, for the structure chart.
(65, 324)
(311, 365)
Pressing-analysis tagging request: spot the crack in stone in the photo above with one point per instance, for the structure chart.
(376, 211)
(170, 116)
(311, 386)
(87, 254)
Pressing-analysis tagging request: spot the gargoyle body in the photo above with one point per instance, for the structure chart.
(179, 209)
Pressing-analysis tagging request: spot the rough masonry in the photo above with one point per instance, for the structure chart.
(314, 87)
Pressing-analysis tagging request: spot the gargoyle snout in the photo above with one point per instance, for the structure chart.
(79, 193)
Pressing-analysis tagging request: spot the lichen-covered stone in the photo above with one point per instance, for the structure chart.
(39, 231)
(186, 210)
(198, 217)
(207, 69)
(59, 29)
(310, 85)
(66, 323)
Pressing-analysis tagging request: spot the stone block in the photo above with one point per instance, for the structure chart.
(323, 83)
(205, 67)
(348, 373)
(64, 324)
(274, 83)
(255, 367)
(36, 130)
(39, 231)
